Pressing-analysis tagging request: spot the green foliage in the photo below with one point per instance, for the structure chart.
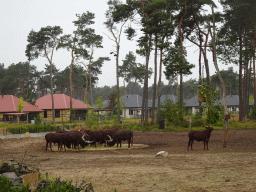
(132, 70)
(42, 40)
(252, 115)
(197, 119)
(6, 186)
(32, 128)
(59, 186)
(251, 99)
(172, 112)
(72, 115)
(21, 105)
(45, 186)
(92, 120)
(176, 63)
(38, 119)
(98, 103)
(210, 95)
(30, 96)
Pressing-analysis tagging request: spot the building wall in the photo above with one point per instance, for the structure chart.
(131, 113)
(64, 116)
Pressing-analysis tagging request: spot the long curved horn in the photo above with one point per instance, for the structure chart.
(110, 139)
(86, 141)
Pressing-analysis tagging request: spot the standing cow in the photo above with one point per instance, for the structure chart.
(123, 135)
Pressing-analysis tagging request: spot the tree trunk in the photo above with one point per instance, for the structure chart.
(254, 79)
(117, 83)
(245, 90)
(70, 77)
(53, 111)
(225, 123)
(200, 76)
(50, 61)
(154, 87)
(145, 90)
(241, 106)
(159, 84)
(181, 90)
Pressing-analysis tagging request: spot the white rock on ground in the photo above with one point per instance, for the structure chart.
(162, 153)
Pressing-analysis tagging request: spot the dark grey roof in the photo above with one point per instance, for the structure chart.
(232, 100)
(106, 103)
(163, 98)
(193, 102)
(133, 101)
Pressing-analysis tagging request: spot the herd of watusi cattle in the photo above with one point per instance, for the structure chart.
(84, 137)
(110, 137)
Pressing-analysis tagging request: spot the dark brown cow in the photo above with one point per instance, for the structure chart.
(76, 138)
(67, 139)
(200, 136)
(120, 136)
(53, 138)
(100, 137)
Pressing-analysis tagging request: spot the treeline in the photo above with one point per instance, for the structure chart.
(24, 80)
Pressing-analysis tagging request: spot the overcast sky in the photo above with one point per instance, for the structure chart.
(19, 17)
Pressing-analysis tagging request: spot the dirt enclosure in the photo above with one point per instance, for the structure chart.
(138, 169)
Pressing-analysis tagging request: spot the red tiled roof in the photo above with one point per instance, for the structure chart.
(61, 101)
(9, 103)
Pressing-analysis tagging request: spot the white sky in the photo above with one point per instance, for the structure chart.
(19, 17)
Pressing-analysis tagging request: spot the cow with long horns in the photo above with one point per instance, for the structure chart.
(122, 135)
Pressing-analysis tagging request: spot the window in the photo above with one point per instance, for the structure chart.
(130, 112)
(45, 114)
(57, 113)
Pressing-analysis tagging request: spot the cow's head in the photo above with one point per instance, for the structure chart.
(86, 141)
(210, 128)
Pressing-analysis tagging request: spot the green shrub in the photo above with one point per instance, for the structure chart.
(59, 186)
(32, 128)
(6, 186)
(92, 120)
(172, 112)
(38, 119)
(197, 120)
(252, 115)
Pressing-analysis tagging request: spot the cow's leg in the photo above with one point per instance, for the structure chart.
(188, 144)
(129, 141)
(207, 144)
(192, 144)
(46, 146)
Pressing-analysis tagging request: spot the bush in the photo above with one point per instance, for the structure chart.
(92, 120)
(252, 115)
(197, 120)
(6, 185)
(38, 119)
(58, 186)
(32, 128)
(172, 112)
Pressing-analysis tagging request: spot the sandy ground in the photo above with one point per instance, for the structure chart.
(138, 168)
